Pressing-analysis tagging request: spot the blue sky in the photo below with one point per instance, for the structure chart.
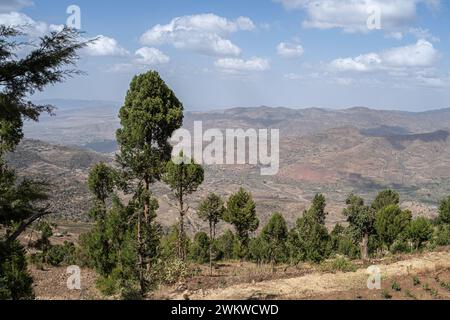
(293, 53)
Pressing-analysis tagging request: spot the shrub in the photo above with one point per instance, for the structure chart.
(62, 254)
(339, 264)
(15, 281)
(441, 235)
(400, 246)
(420, 231)
(395, 286)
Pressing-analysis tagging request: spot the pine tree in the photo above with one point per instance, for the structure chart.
(149, 116)
(241, 213)
(212, 210)
(183, 178)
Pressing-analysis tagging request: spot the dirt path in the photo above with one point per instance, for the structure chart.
(316, 283)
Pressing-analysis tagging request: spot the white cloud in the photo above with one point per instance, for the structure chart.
(419, 55)
(290, 50)
(202, 33)
(151, 56)
(13, 5)
(352, 15)
(105, 46)
(254, 64)
(28, 25)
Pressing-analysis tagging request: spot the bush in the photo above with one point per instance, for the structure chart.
(15, 281)
(339, 264)
(226, 246)
(400, 246)
(441, 235)
(62, 254)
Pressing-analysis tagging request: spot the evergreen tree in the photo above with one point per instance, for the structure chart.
(420, 231)
(391, 223)
(309, 241)
(317, 209)
(275, 235)
(361, 219)
(183, 178)
(212, 210)
(21, 202)
(385, 198)
(444, 211)
(241, 213)
(227, 246)
(149, 116)
(199, 250)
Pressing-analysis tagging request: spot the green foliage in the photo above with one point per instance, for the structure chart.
(442, 235)
(341, 242)
(15, 281)
(183, 178)
(340, 264)
(416, 281)
(62, 254)
(361, 219)
(274, 239)
(226, 246)
(444, 211)
(420, 231)
(211, 210)
(21, 76)
(309, 241)
(395, 286)
(149, 116)
(199, 250)
(391, 222)
(169, 243)
(317, 209)
(400, 246)
(241, 213)
(385, 198)
(101, 181)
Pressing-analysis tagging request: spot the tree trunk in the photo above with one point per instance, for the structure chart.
(141, 256)
(181, 239)
(211, 239)
(365, 247)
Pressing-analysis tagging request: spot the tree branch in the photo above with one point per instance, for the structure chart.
(26, 223)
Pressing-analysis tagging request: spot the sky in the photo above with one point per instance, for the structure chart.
(385, 54)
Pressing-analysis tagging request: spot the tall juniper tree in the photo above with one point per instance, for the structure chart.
(149, 116)
(21, 202)
(183, 177)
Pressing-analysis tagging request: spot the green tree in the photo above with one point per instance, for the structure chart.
(241, 213)
(149, 116)
(309, 241)
(317, 209)
(101, 182)
(420, 231)
(43, 243)
(199, 250)
(385, 198)
(391, 222)
(212, 210)
(21, 202)
(361, 219)
(275, 235)
(444, 211)
(183, 177)
(226, 246)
